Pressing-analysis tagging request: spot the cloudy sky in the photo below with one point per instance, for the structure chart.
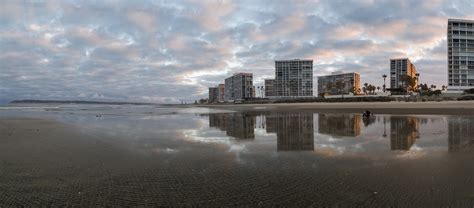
(167, 51)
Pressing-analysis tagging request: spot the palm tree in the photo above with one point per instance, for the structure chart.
(384, 77)
(378, 88)
(443, 87)
(329, 87)
(366, 87)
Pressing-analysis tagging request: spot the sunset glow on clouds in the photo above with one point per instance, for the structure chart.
(166, 51)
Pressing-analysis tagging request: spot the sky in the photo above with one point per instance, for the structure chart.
(172, 51)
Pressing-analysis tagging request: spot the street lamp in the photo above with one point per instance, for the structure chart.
(384, 77)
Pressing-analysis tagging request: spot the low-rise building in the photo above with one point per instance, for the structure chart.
(339, 83)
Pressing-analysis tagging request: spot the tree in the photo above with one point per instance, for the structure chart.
(366, 85)
(329, 87)
(443, 88)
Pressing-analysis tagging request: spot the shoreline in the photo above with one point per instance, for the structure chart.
(394, 107)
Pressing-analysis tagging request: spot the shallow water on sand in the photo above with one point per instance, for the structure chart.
(199, 156)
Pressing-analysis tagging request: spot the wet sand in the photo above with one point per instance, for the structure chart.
(394, 107)
(47, 163)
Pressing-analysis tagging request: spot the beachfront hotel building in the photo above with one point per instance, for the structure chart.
(338, 83)
(213, 94)
(269, 88)
(216, 94)
(460, 54)
(221, 92)
(239, 87)
(294, 78)
(398, 68)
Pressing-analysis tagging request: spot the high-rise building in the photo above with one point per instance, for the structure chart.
(269, 88)
(294, 78)
(213, 94)
(239, 87)
(401, 70)
(221, 92)
(460, 54)
(338, 83)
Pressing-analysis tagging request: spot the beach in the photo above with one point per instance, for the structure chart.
(137, 156)
(394, 107)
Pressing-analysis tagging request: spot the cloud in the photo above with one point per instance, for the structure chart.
(167, 51)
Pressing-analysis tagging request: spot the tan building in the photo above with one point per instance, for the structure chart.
(339, 83)
(221, 92)
(399, 69)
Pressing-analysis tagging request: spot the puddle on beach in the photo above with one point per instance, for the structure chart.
(250, 132)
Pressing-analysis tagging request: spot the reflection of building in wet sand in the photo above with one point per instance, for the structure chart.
(339, 124)
(294, 131)
(403, 132)
(238, 125)
(461, 134)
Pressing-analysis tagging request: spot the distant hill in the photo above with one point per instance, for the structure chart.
(79, 102)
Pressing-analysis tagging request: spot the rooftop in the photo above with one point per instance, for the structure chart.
(293, 60)
(461, 20)
(338, 73)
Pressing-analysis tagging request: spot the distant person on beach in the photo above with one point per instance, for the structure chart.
(366, 114)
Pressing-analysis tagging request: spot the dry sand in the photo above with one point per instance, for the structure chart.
(445, 107)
